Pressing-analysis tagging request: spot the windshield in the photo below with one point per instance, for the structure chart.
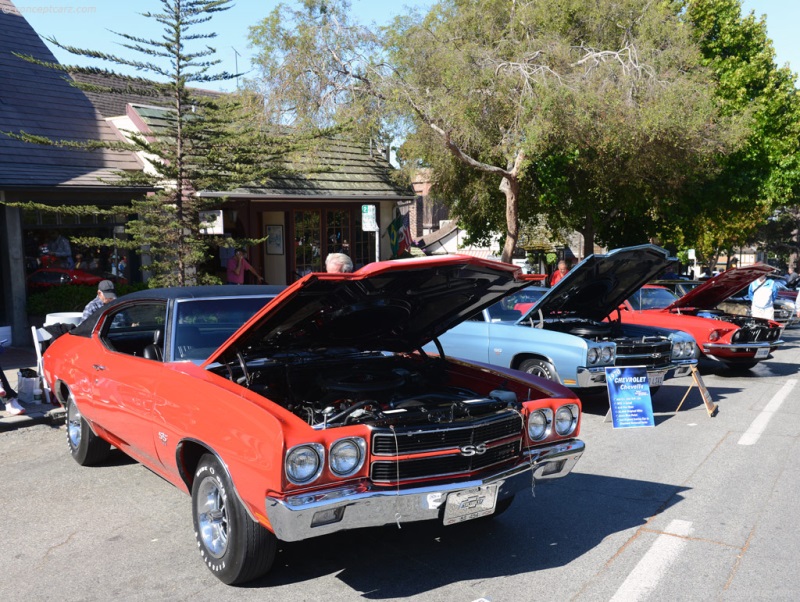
(652, 298)
(513, 307)
(202, 325)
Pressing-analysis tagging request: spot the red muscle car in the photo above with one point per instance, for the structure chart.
(738, 341)
(44, 278)
(321, 413)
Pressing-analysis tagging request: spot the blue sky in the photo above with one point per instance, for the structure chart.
(85, 23)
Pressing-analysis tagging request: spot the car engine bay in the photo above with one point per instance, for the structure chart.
(377, 390)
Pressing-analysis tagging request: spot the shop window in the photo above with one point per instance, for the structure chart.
(307, 251)
(363, 245)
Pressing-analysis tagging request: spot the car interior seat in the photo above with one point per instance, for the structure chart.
(155, 350)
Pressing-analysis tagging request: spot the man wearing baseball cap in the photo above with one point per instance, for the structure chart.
(105, 294)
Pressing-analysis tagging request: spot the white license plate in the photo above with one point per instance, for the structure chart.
(762, 353)
(469, 504)
(656, 379)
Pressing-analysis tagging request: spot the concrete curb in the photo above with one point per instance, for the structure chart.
(13, 359)
(34, 414)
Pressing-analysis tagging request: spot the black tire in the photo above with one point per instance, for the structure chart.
(235, 548)
(539, 368)
(85, 447)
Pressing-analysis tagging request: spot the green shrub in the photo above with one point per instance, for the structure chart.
(71, 297)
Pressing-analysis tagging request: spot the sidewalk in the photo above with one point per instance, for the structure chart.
(12, 359)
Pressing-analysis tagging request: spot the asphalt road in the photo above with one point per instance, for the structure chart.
(697, 508)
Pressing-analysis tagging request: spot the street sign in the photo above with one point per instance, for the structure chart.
(629, 396)
(368, 218)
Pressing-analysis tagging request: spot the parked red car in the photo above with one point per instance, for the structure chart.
(45, 278)
(737, 341)
(321, 413)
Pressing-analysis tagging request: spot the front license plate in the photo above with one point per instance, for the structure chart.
(655, 379)
(762, 353)
(469, 504)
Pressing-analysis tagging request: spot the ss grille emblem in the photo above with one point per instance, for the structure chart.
(473, 450)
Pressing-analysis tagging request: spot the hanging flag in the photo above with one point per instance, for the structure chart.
(399, 235)
(408, 242)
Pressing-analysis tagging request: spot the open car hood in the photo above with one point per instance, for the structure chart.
(715, 290)
(385, 306)
(600, 283)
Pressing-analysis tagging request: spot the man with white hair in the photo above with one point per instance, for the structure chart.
(338, 263)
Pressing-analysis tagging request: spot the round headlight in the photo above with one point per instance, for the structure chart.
(607, 355)
(304, 463)
(593, 355)
(347, 456)
(565, 420)
(715, 335)
(537, 425)
(689, 350)
(677, 349)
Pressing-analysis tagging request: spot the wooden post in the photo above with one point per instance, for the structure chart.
(711, 407)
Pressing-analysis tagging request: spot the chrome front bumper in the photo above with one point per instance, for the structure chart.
(710, 348)
(591, 377)
(596, 377)
(300, 517)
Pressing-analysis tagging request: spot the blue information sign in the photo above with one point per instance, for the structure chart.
(629, 395)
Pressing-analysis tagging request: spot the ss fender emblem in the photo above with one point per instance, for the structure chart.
(473, 450)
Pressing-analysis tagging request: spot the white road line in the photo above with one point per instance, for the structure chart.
(647, 573)
(758, 425)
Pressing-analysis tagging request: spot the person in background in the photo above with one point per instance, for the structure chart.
(80, 264)
(338, 263)
(791, 277)
(105, 294)
(559, 273)
(63, 251)
(9, 397)
(762, 294)
(237, 266)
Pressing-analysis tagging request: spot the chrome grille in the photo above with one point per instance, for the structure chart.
(501, 434)
(437, 437)
(652, 354)
(385, 471)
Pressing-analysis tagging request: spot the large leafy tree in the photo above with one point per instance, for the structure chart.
(762, 177)
(203, 143)
(594, 113)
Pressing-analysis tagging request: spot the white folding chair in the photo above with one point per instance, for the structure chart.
(40, 335)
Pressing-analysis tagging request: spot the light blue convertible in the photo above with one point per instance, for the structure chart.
(569, 334)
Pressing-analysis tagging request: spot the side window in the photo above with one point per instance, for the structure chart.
(132, 328)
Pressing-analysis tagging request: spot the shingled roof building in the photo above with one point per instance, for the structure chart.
(305, 216)
(40, 101)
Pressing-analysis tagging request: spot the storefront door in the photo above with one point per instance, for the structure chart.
(318, 232)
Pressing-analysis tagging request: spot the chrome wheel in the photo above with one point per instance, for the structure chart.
(84, 446)
(212, 517)
(74, 424)
(539, 368)
(234, 547)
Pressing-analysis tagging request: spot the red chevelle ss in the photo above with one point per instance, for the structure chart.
(738, 341)
(319, 413)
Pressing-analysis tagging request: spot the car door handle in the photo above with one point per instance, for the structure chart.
(98, 367)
